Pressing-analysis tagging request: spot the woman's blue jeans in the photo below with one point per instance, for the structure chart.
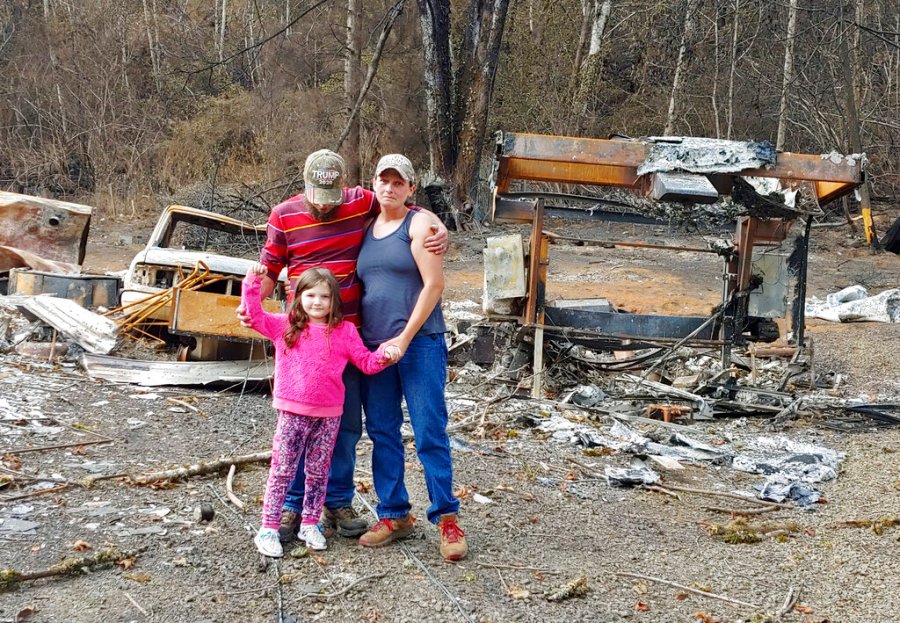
(419, 377)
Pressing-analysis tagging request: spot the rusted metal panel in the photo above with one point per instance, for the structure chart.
(546, 158)
(86, 290)
(51, 229)
(568, 149)
(206, 313)
(571, 172)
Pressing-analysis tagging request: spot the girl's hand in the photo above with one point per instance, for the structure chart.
(390, 353)
(397, 346)
(257, 269)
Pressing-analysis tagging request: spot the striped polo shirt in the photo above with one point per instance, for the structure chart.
(297, 240)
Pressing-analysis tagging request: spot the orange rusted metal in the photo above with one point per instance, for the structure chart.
(605, 162)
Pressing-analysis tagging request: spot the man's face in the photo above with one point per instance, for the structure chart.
(324, 211)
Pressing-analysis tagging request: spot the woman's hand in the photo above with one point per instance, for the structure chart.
(390, 353)
(395, 348)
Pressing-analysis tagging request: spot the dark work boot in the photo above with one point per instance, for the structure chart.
(343, 521)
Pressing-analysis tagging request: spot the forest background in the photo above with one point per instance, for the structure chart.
(126, 104)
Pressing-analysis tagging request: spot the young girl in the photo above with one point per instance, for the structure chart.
(312, 347)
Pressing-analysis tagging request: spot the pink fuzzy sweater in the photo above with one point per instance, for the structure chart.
(308, 375)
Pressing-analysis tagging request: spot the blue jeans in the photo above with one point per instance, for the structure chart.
(419, 377)
(341, 486)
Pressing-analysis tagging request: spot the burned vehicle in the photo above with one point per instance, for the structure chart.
(43, 234)
(187, 283)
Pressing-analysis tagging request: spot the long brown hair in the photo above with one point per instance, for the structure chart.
(297, 316)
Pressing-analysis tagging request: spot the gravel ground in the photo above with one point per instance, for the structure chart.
(547, 523)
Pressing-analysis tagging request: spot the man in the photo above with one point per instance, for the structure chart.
(324, 227)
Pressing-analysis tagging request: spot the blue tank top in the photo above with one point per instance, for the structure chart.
(391, 286)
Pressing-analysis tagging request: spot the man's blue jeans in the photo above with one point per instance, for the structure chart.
(419, 377)
(343, 462)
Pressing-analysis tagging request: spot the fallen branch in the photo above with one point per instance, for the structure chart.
(663, 490)
(136, 604)
(34, 494)
(724, 494)
(576, 588)
(67, 567)
(491, 565)
(790, 600)
(184, 404)
(202, 468)
(734, 511)
(56, 447)
(229, 483)
(366, 578)
(689, 589)
(590, 471)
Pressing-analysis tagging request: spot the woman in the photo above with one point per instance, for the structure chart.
(402, 286)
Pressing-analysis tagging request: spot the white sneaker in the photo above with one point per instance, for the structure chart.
(313, 537)
(268, 544)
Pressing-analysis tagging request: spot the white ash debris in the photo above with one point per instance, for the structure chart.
(853, 304)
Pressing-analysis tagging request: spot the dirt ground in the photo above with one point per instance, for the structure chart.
(535, 520)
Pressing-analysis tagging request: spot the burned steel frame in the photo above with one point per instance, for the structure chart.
(571, 160)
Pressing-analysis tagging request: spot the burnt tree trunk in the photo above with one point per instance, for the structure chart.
(458, 110)
(475, 84)
(435, 16)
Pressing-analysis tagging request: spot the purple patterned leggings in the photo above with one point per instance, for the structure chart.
(297, 436)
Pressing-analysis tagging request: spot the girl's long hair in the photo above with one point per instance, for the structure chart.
(297, 316)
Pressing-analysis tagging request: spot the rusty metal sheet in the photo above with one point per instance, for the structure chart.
(52, 229)
(11, 257)
(207, 313)
(548, 158)
(86, 290)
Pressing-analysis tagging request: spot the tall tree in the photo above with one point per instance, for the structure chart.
(592, 65)
(458, 104)
(788, 73)
(352, 87)
(690, 8)
(849, 64)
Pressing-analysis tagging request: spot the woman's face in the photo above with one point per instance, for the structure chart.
(391, 189)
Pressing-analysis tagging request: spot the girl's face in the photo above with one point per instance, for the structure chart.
(391, 190)
(316, 302)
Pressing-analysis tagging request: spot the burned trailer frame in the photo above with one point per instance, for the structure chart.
(659, 168)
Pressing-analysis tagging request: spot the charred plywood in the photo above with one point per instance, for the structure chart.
(51, 229)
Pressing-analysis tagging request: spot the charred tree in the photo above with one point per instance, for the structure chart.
(458, 104)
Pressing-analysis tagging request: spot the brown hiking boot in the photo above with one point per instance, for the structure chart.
(290, 523)
(344, 521)
(387, 531)
(453, 539)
